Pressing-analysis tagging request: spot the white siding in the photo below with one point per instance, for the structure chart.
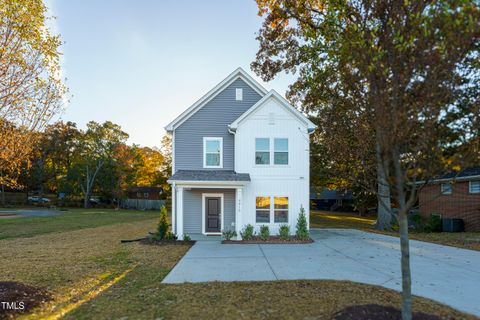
(290, 180)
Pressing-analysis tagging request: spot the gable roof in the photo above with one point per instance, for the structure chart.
(272, 94)
(238, 73)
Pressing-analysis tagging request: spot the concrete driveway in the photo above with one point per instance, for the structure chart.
(445, 274)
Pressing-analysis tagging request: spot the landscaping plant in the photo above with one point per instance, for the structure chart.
(302, 227)
(186, 237)
(264, 233)
(247, 233)
(163, 225)
(284, 232)
(229, 234)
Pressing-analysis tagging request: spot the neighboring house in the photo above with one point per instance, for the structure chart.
(454, 196)
(331, 199)
(240, 156)
(149, 193)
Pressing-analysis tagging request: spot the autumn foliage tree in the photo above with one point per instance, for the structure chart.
(31, 88)
(387, 82)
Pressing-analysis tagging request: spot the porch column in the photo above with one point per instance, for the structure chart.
(238, 212)
(174, 212)
(180, 213)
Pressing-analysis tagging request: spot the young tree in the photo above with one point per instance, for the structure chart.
(390, 73)
(31, 89)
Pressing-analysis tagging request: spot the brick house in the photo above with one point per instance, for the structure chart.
(454, 196)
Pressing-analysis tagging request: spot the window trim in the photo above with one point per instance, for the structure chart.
(470, 190)
(442, 191)
(205, 139)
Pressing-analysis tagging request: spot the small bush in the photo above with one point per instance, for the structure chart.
(163, 225)
(229, 234)
(284, 232)
(434, 224)
(170, 236)
(302, 228)
(247, 233)
(264, 233)
(186, 237)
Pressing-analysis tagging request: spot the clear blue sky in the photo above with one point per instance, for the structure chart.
(141, 63)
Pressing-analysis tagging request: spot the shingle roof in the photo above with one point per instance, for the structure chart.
(209, 175)
(465, 173)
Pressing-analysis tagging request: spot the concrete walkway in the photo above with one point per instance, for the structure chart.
(445, 274)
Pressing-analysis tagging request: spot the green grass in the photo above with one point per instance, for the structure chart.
(73, 219)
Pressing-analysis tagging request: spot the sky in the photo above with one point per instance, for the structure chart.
(140, 63)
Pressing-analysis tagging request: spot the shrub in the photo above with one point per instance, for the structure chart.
(186, 237)
(284, 232)
(264, 233)
(171, 236)
(247, 233)
(163, 225)
(434, 224)
(302, 228)
(229, 234)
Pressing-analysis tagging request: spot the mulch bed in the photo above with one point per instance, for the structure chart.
(378, 312)
(16, 298)
(148, 241)
(271, 240)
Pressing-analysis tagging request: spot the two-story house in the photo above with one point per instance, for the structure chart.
(240, 156)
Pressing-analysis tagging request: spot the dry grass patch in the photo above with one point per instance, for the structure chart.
(140, 297)
(71, 264)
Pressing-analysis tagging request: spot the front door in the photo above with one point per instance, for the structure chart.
(212, 214)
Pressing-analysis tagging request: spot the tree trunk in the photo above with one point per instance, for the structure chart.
(3, 195)
(405, 263)
(85, 201)
(384, 216)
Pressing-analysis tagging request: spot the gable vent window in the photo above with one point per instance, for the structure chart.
(239, 94)
(271, 118)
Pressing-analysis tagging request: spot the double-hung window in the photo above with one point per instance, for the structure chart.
(446, 188)
(262, 205)
(266, 212)
(280, 151)
(212, 152)
(262, 151)
(474, 186)
(281, 209)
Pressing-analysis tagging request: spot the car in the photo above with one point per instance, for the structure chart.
(36, 199)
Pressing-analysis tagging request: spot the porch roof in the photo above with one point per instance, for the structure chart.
(227, 176)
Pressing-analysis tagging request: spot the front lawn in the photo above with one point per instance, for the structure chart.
(327, 219)
(73, 219)
(89, 274)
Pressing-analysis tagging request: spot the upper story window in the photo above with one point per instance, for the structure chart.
(212, 152)
(267, 152)
(474, 187)
(281, 151)
(446, 188)
(262, 151)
